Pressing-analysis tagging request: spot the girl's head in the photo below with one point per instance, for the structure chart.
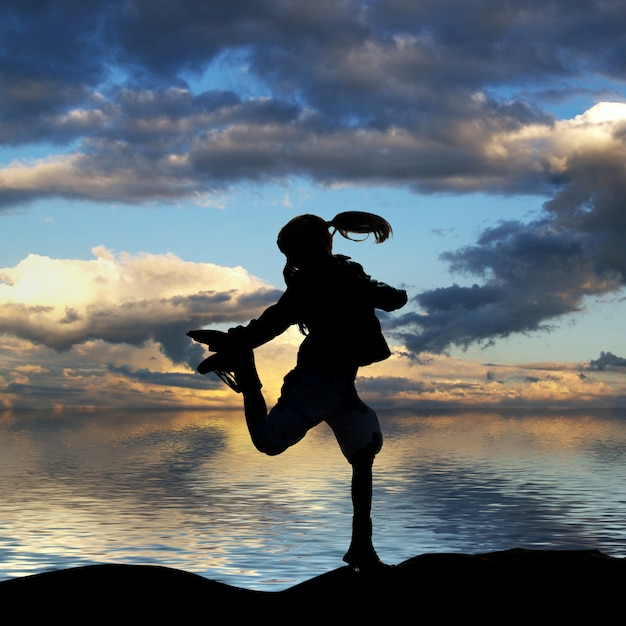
(307, 239)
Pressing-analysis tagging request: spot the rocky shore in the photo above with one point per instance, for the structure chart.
(509, 587)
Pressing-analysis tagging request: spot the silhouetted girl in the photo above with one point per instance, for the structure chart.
(333, 302)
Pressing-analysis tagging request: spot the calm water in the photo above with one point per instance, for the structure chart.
(187, 490)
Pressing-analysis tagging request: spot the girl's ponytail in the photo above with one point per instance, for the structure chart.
(361, 223)
(304, 237)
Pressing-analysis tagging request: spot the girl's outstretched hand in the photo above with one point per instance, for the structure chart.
(216, 340)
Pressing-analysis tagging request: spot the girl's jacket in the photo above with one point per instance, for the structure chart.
(334, 304)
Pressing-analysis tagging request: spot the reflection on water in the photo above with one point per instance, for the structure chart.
(187, 490)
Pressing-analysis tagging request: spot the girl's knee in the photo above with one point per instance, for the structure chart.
(271, 451)
(366, 454)
(362, 457)
(267, 447)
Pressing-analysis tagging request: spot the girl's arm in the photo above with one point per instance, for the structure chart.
(274, 321)
(388, 298)
(382, 296)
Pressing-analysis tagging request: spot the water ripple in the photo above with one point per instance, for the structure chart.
(187, 490)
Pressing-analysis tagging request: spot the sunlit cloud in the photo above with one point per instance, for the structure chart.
(446, 382)
(106, 328)
(122, 298)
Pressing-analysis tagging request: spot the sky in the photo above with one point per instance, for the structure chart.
(151, 152)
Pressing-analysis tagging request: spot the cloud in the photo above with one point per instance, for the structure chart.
(111, 331)
(450, 382)
(60, 303)
(347, 92)
(607, 360)
(150, 105)
(169, 379)
(534, 273)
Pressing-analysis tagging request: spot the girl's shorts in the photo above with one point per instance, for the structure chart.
(309, 397)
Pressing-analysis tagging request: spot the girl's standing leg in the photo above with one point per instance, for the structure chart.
(361, 553)
(358, 433)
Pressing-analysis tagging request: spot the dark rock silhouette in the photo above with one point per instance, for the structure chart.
(510, 587)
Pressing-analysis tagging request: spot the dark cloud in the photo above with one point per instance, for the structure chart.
(389, 92)
(533, 273)
(40, 391)
(607, 360)
(166, 379)
(539, 271)
(51, 61)
(392, 386)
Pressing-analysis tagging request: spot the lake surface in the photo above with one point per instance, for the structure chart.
(187, 490)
